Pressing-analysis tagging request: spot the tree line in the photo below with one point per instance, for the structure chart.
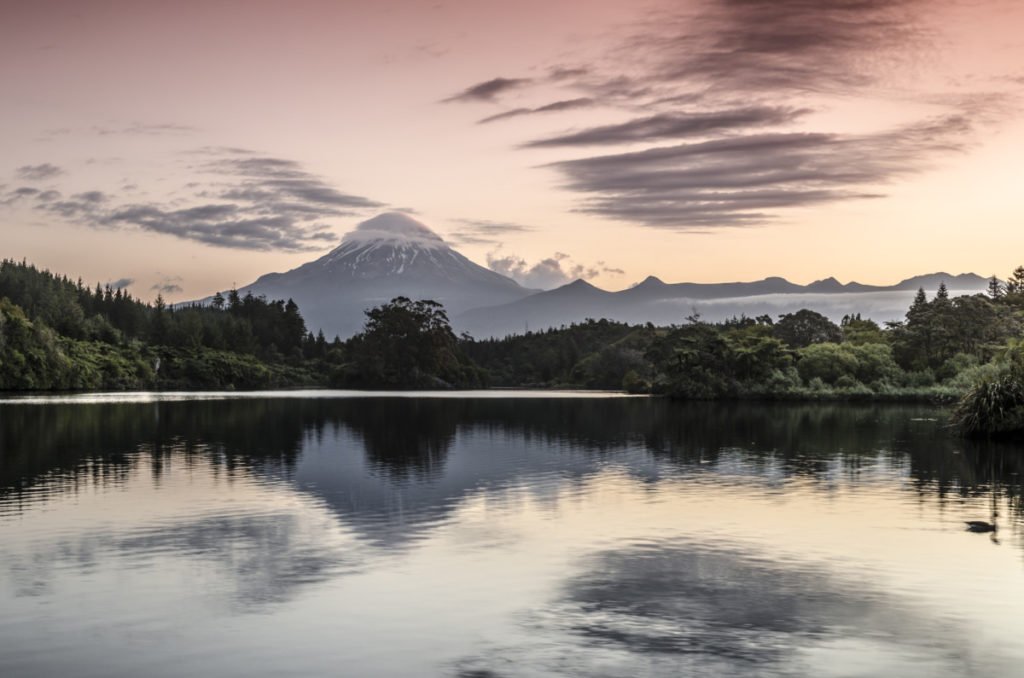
(60, 334)
(57, 334)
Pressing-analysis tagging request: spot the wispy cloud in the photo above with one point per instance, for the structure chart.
(224, 225)
(737, 80)
(489, 90)
(168, 284)
(120, 283)
(248, 201)
(674, 126)
(39, 172)
(141, 128)
(779, 46)
(11, 197)
(122, 129)
(484, 232)
(745, 180)
(564, 105)
(278, 187)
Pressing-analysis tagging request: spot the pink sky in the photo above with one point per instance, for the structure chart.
(191, 146)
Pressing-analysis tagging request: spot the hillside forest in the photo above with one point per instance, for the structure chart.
(59, 334)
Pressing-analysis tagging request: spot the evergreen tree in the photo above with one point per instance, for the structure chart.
(995, 288)
(409, 343)
(1015, 283)
(920, 303)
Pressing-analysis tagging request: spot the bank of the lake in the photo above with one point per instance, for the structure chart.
(56, 335)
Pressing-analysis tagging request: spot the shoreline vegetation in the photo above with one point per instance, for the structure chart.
(59, 335)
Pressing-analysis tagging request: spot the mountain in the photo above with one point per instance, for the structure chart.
(394, 255)
(663, 303)
(931, 281)
(387, 256)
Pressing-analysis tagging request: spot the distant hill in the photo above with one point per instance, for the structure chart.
(662, 303)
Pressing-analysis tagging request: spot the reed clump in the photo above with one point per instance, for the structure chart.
(993, 406)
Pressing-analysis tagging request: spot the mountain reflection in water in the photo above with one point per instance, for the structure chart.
(504, 537)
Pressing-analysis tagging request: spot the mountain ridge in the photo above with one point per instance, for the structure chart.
(653, 300)
(393, 254)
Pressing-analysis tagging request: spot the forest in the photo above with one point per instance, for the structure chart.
(58, 334)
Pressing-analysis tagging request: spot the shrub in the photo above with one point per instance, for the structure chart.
(993, 406)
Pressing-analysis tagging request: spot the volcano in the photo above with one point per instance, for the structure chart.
(387, 256)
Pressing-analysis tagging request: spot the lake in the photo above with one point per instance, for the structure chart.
(501, 534)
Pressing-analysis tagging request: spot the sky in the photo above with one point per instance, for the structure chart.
(183, 148)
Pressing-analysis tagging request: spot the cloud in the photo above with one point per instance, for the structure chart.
(675, 125)
(148, 129)
(168, 284)
(489, 90)
(224, 225)
(737, 80)
(285, 186)
(17, 194)
(121, 283)
(564, 105)
(795, 45)
(252, 202)
(129, 129)
(94, 197)
(484, 232)
(548, 273)
(394, 227)
(744, 180)
(736, 49)
(698, 611)
(566, 72)
(38, 172)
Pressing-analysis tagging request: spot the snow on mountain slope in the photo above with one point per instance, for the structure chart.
(387, 256)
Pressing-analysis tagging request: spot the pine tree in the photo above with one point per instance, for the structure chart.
(1015, 283)
(995, 288)
(920, 304)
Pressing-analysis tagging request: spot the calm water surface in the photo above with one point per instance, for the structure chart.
(329, 534)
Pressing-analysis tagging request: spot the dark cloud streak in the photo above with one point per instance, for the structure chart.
(781, 46)
(38, 172)
(675, 125)
(743, 69)
(565, 105)
(484, 232)
(489, 90)
(743, 180)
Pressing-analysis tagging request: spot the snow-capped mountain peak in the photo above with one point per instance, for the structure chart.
(387, 256)
(394, 228)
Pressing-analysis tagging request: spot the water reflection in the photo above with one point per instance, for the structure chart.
(507, 537)
(409, 440)
(255, 560)
(697, 612)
